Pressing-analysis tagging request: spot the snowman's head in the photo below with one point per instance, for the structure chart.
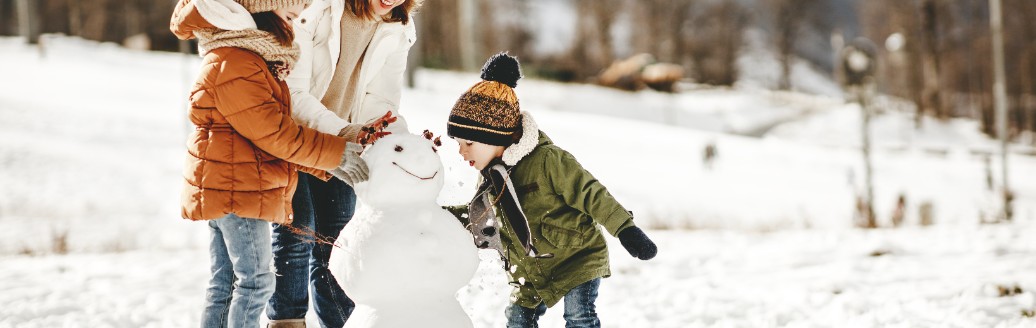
(404, 169)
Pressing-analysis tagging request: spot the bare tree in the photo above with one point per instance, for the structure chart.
(29, 20)
(467, 36)
(1020, 30)
(593, 46)
(439, 29)
(716, 41)
(509, 29)
(7, 17)
(946, 50)
(902, 76)
(935, 18)
(660, 27)
(790, 19)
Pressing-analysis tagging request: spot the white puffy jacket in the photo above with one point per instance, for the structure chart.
(318, 32)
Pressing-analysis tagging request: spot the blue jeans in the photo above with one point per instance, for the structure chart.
(301, 262)
(241, 280)
(580, 311)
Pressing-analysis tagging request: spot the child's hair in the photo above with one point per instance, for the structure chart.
(517, 135)
(401, 14)
(269, 21)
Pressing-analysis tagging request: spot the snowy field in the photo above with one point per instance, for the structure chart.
(92, 146)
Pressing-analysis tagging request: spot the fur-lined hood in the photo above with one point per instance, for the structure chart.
(530, 139)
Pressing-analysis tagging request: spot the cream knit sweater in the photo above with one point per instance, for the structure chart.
(341, 97)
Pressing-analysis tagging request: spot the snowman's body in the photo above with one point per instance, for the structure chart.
(404, 261)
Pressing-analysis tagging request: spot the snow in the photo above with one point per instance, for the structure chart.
(938, 277)
(92, 145)
(759, 67)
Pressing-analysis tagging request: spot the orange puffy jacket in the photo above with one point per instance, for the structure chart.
(245, 151)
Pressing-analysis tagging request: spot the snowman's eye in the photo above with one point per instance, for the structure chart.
(399, 149)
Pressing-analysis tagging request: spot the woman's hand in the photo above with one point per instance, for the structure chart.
(375, 130)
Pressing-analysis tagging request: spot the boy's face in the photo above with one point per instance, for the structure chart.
(478, 154)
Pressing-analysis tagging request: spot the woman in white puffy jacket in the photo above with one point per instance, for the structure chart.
(349, 74)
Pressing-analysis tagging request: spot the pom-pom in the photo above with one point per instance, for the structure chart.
(502, 68)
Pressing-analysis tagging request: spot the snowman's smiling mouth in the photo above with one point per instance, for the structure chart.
(415, 175)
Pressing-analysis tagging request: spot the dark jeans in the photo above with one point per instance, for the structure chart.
(323, 208)
(580, 311)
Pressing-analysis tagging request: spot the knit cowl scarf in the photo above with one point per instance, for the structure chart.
(279, 58)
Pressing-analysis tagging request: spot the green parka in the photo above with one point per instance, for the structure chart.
(564, 205)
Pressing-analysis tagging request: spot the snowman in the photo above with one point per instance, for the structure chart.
(403, 258)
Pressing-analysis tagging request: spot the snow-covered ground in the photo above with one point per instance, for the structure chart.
(895, 129)
(938, 277)
(92, 145)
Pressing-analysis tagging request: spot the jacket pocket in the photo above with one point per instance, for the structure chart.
(564, 237)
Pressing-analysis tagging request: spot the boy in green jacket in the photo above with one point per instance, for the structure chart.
(536, 204)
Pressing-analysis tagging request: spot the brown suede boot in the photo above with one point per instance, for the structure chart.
(287, 323)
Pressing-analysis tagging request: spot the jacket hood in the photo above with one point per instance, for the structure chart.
(531, 138)
(190, 16)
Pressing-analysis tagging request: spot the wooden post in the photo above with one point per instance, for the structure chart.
(1000, 98)
(858, 64)
(864, 99)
